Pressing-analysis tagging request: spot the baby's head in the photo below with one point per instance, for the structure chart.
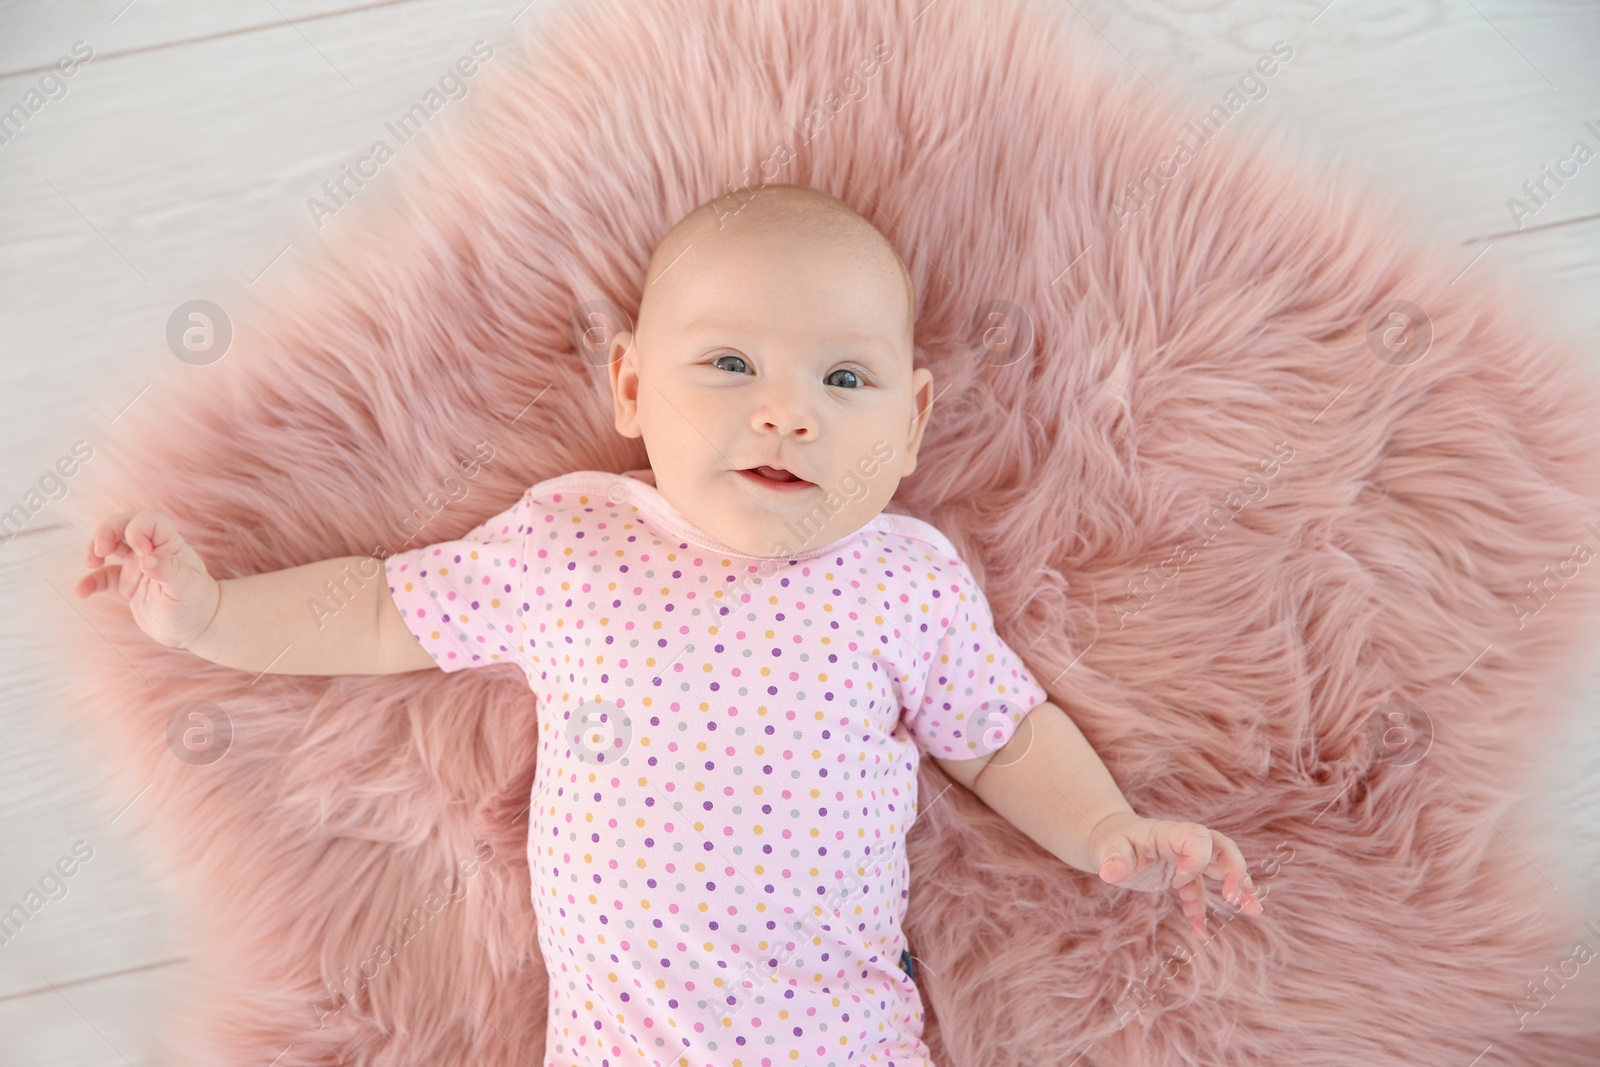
(774, 331)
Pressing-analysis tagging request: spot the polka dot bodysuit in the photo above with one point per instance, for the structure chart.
(727, 764)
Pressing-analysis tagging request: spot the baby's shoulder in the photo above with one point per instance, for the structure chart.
(572, 489)
(923, 538)
(553, 499)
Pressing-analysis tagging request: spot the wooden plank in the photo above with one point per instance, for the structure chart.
(39, 35)
(117, 202)
(89, 899)
(1446, 108)
(142, 190)
(113, 1021)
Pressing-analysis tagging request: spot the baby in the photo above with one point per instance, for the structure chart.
(739, 658)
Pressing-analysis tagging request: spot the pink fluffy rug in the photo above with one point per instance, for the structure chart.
(1306, 595)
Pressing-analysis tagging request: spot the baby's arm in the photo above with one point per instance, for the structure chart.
(268, 623)
(1048, 782)
(262, 615)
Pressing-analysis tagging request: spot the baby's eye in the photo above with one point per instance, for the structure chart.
(855, 382)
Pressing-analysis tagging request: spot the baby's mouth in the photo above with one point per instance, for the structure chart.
(774, 478)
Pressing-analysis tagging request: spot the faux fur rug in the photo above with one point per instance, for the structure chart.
(1298, 529)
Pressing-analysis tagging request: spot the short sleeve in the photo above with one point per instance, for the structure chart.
(462, 600)
(977, 689)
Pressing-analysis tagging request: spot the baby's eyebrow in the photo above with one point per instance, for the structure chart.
(870, 341)
(866, 347)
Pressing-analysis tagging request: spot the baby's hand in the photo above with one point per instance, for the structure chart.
(1153, 855)
(151, 566)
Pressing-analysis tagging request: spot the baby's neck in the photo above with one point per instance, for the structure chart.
(646, 476)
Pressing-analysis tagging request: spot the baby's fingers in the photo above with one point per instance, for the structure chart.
(175, 568)
(1189, 847)
(153, 531)
(106, 537)
(98, 581)
(1193, 897)
(1229, 866)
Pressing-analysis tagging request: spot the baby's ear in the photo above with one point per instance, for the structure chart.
(618, 346)
(595, 324)
(624, 385)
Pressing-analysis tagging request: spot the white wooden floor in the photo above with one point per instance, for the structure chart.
(185, 150)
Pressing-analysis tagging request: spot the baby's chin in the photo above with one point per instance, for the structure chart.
(777, 531)
(768, 523)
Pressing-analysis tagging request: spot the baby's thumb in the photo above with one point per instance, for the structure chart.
(1116, 867)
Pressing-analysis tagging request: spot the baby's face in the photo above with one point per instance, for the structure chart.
(763, 350)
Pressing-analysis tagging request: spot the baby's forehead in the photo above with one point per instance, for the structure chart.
(787, 236)
(786, 219)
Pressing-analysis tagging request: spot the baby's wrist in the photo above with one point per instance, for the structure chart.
(1126, 813)
(194, 643)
